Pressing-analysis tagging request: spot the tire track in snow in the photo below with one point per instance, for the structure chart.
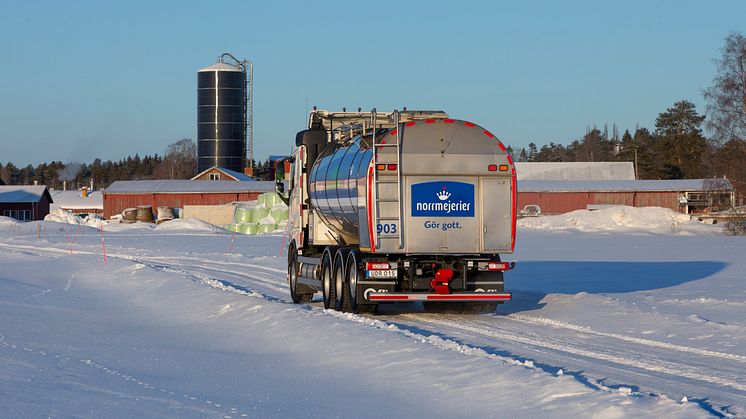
(626, 338)
(668, 366)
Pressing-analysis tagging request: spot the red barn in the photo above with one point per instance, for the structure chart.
(25, 202)
(684, 195)
(177, 193)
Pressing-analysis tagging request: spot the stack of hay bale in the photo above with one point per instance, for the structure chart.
(265, 215)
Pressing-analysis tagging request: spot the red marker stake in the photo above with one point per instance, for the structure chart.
(103, 245)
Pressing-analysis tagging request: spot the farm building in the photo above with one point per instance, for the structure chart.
(622, 170)
(221, 173)
(25, 202)
(177, 193)
(688, 196)
(78, 201)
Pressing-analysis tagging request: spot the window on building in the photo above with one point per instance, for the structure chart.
(214, 176)
(20, 215)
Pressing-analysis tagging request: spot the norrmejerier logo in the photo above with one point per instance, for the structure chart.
(443, 199)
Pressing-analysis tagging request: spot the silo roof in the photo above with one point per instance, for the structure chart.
(221, 67)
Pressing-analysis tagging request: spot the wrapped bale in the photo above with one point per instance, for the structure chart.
(258, 214)
(279, 213)
(165, 214)
(248, 228)
(244, 215)
(129, 215)
(145, 213)
(267, 228)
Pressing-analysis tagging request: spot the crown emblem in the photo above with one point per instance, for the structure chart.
(443, 195)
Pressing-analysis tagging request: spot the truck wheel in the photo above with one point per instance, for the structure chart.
(354, 273)
(341, 302)
(297, 293)
(327, 282)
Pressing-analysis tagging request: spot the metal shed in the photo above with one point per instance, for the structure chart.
(177, 193)
(685, 195)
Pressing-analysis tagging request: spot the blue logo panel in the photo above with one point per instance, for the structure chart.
(443, 199)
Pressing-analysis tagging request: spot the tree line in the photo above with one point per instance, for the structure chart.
(675, 149)
(178, 162)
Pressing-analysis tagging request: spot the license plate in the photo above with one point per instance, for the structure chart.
(390, 273)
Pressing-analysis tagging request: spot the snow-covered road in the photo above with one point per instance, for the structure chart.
(182, 322)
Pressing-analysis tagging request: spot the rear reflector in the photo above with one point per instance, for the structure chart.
(376, 266)
(498, 266)
(493, 167)
(410, 123)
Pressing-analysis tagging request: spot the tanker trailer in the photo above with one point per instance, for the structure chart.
(409, 206)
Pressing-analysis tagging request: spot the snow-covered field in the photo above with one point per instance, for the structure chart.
(617, 313)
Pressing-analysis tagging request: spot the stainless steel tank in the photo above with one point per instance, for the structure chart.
(455, 192)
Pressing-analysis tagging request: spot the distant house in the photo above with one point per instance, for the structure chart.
(78, 202)
(25, 202)
(221, 173)
(177, 193)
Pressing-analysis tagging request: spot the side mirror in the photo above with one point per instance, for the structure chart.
(279, 186)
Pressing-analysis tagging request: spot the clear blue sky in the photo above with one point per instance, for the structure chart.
(80, 80)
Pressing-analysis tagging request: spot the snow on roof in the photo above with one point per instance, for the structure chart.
(187, 186)
(221, 67)
(232, 173)
(679, 185)
(74, 200)
(575, 170)
(23, 193)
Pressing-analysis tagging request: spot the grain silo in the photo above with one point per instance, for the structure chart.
(224, 114)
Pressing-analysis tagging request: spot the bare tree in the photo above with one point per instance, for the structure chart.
(179, 162)
(726, 98)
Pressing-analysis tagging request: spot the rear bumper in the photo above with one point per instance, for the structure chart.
(483, 297)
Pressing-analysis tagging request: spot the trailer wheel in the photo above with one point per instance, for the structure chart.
(341, 302)
(297, 293)
(327, 286)
(354, 273)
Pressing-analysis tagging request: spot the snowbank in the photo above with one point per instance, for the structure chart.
(188, 224)
(653, 220)
(66, 217)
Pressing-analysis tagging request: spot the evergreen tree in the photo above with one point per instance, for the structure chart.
(680, 141)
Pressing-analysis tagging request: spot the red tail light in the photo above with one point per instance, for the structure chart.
(376, 266)
(492, 168)
(391, 167)
(498, 266)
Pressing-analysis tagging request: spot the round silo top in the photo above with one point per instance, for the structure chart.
(221, 67)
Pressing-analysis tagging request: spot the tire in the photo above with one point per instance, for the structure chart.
(354, 273)
(341, 301)
(327, 287)
(298, 293)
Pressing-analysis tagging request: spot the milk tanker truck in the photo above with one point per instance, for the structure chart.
(409, 206)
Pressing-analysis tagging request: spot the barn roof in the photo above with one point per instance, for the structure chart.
(556, 171)
(232, 173)
(21, 194)
(678, 185)
(187, 186)
(74, 200)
